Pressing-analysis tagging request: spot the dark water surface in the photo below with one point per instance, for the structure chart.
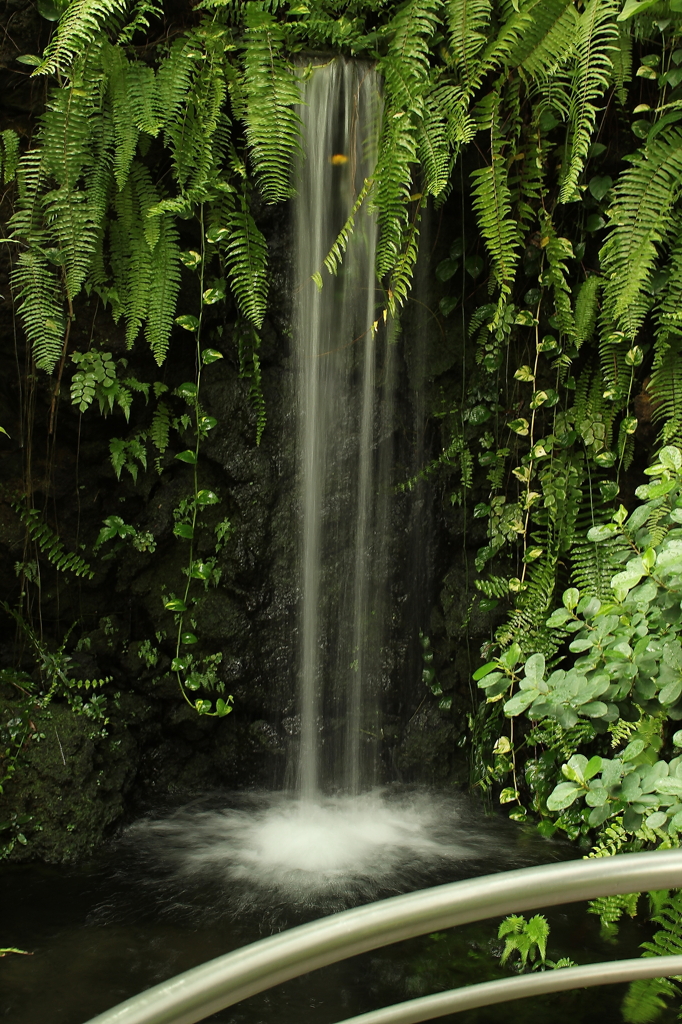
(137, 914)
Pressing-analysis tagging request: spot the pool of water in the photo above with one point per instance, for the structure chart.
(189, 883)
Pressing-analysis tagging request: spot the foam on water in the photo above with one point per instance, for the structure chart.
(272, 850)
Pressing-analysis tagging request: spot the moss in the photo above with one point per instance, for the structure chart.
(69, 783)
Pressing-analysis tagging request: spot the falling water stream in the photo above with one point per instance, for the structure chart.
(344, 392)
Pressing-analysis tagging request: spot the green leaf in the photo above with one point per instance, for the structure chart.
(200, 571)
(570, 598)
(594, 709)
(600, 185)
(535, 667)
(519, 426)
(519, 702)
(183, 530)
(563, 796)
(213, 295)
(485, 670)
(29, 58)
(671, 458)
(222, 707)
(176, 605)
(188, 391)
(188, 638)
(187, 456)
(446, 269)
(507, 795)
(593, 766)
(205, 497)
(210, 355)
(511, 656)
(447, 304)
(190, 323)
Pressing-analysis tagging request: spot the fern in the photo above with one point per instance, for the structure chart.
(407, 80)
(611, 840)
(665, 388)
(433, 149)
(493, 586)
(548, 41)
(334, 257)
(468, 22)
(640, 222)
(645, 999)
(558, 250)
(271, 92)
(40, 307)
(525, 624)
(586, 309)
(491, 199)
(9, 154)
(165, 275)
(246, 257)
(50, 545)
(80, 26)
(596, 34)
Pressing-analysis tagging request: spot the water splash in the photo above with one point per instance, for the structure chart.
(276, 855)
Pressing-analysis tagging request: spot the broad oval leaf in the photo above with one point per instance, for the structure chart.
(563, 796)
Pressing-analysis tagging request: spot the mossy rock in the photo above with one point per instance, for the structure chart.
(68, 786)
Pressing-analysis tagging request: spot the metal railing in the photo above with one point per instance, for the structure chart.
(217, 984)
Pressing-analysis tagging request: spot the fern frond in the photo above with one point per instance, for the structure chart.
(165, 276)
(621, 59)
(491, 200)
(334, 257)
(586, 309)
(645, 999)
(272, 92)
(246, 256)
(407, 80)
(433, 150)
(665, 387)
(79, 27)
(558, 250)
(550, 40)
(9, 154)
(595, 37)
(401, 277)
(50, 545)
(40, 307)
(468, 24)
(640, 221)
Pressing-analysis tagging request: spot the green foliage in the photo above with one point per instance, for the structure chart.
(9, 155)
(49, 544)
(590, 77)
(645, 1000)
(641, 219)
(626, 664)
(271, 94)
(527, 938)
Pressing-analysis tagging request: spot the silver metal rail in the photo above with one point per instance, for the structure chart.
(196, 994)
(520, 987)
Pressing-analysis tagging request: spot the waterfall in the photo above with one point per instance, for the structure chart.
(345, 386)
(339, 835)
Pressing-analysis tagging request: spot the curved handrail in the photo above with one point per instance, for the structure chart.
(203, 990)
(521, 987)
